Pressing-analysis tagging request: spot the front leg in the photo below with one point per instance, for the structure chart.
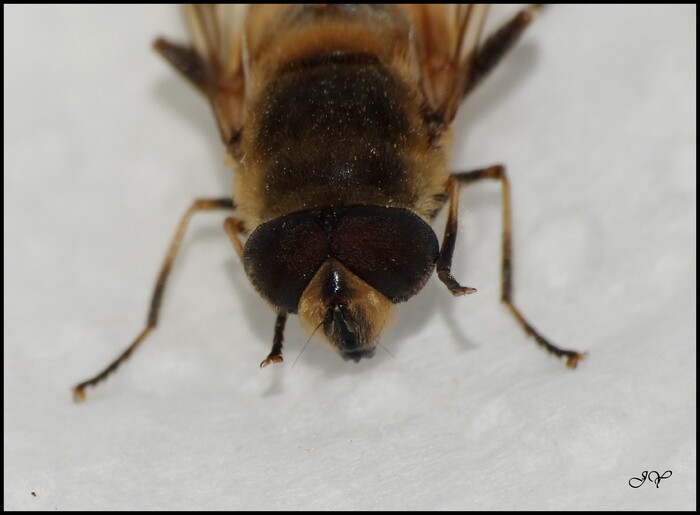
(275, 355)
(444, 262)
(234, 227)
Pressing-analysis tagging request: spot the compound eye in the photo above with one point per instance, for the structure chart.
(282, 256)
(391, 249)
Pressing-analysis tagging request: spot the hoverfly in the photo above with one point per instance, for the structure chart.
(336, 120)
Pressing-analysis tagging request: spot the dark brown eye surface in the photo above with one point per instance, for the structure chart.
(282, 256)
(392, 250)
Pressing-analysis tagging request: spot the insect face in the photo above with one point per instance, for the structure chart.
(342, 269)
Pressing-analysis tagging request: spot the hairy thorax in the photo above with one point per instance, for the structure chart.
(336, 126)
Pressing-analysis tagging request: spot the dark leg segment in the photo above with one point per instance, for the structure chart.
(444, 262)
(156, 299)
(490, 53)
(275, 355)
(234, 227)
(185, 60)
(499, 173)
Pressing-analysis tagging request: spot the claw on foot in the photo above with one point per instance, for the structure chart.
(464, 290)
(78, 394)
(270, 360)
(573, 360)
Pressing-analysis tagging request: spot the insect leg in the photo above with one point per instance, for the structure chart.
(185, 60)
(496, 46)
(156, 299)
(444, 261)
(233, 227)
(275, 355)
(498, 172)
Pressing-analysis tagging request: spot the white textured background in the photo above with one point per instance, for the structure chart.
(595, 116)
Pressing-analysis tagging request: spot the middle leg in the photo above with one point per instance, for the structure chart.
(498, 172)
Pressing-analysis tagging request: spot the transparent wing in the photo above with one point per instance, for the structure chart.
(218, 38)
(444, 40)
